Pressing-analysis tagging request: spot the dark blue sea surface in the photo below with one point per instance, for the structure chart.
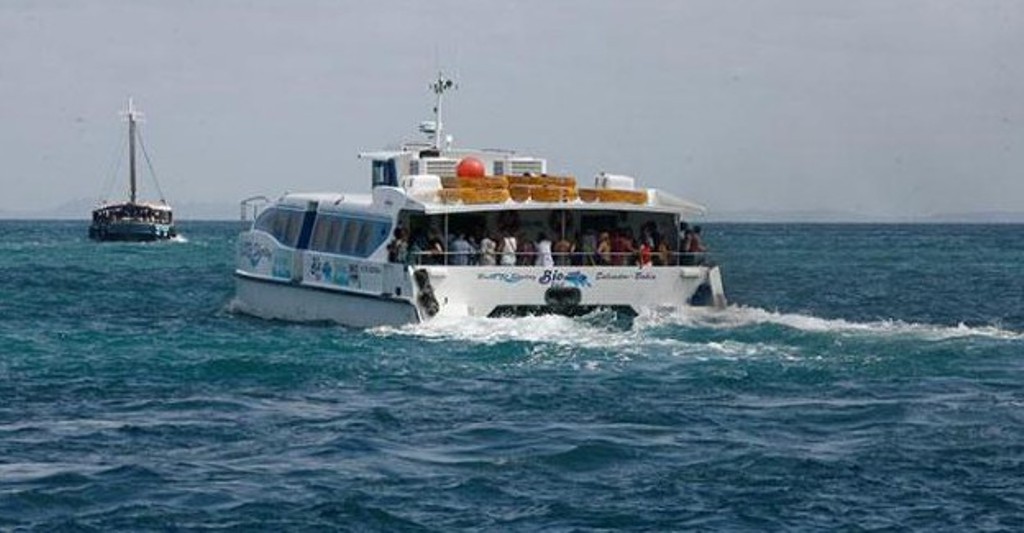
(865, 377)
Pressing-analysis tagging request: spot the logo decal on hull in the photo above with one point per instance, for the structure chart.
(556, 277)
(507, 277)
(634, 275)
(254, 252)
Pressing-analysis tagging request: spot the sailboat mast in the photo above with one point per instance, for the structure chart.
(131, 147)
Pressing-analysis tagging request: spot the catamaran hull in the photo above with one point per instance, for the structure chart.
(451, 293)
(282, 300)
(569, 290)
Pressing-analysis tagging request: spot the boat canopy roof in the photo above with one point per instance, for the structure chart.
(682, 207)
(128, 206)
(302, 200)
(388, 199)
(326, 201)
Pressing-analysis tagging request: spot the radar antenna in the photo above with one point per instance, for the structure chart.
(439, 87)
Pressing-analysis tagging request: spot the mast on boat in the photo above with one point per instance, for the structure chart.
(133, 117)
(439, 87)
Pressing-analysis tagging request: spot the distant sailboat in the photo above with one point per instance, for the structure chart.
(133, 220)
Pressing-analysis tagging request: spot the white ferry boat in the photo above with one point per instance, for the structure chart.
(449, 232)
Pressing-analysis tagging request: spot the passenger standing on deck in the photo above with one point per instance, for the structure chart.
(527, 252)
(398, 249)
(461, 251)
(508, 250)
(693, 253)
(622, 249)
(544, 258)
(417, 250)
(684, 243)
(696, 246)
(563, 251)
(487, 251)
(662, 254)
(435, 249)
(604, 249)
(474, 250)
(589, 247)
(644, 254)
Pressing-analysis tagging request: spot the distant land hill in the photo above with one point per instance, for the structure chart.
(81, 208)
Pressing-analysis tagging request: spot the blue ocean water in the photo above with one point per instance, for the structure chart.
(865, 378)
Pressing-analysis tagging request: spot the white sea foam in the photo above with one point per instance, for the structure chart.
(551, 329)
(30, 471)
(561, 337)
(597, 331)
(740, 316)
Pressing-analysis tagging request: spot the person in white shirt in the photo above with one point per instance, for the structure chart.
(544, 258)
(487, 251)
(508, 250)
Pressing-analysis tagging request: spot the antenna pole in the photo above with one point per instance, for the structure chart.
(131, 147)
(439, 87)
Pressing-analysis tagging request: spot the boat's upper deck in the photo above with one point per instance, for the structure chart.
(542, 193)
(435, 178)
(439, 180)
(441, 200)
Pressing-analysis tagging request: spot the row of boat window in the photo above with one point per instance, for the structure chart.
(284, 224)
(331, 233)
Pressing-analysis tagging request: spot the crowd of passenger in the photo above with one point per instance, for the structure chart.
(616, 247)
(131, 212)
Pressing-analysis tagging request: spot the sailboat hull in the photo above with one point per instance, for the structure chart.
(131, 231)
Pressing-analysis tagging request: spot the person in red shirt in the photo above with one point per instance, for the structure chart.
(645, 254)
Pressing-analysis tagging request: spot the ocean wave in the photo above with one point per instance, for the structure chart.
(549, 329)
(696, 332)
(735, 317)
(56, 472)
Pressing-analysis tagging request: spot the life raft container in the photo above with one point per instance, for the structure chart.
(551, 193)
(542, 193)
(468, 195)
(486, 182)
(519, 192)
(588, 195)
(542, 181)
(622, 196)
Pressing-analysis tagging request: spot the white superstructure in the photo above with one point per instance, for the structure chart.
(332, 257)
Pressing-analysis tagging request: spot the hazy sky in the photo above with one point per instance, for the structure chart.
(875, 107)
